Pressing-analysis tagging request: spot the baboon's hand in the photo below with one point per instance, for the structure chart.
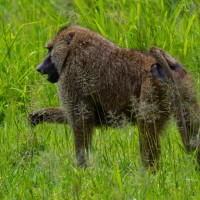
(50, 115)
(35, 118)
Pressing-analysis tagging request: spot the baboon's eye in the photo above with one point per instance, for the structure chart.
(70, 37)
(49, 48)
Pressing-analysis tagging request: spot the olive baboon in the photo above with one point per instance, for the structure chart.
(99, 81)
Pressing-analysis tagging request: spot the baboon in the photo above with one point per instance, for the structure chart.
(100, 82)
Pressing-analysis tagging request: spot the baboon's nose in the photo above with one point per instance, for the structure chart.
(39, 69)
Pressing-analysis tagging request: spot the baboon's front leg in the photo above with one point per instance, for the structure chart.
(82, 121)
(50, 115)
(82, 138)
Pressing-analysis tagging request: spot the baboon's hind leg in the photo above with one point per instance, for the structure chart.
(150, 148)
(152, 115)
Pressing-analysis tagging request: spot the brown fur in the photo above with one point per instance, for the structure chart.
(186, 108)
(99, 82)
(50, 115)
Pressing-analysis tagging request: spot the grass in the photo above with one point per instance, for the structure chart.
(40, 163)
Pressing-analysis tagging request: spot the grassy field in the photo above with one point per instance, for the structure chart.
(40, 163)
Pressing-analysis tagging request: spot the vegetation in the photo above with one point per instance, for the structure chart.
(40, 163)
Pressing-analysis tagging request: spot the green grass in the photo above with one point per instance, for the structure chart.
(40, 163)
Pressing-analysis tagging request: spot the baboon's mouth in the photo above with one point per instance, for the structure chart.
(53, 78)
(42, 72)
(49, 76)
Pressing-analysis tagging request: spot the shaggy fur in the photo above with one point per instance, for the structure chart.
(101, 83)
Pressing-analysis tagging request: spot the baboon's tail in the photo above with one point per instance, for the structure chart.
(165, 73)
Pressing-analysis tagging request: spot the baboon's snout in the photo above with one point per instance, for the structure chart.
(42, 68)
(46, 64)
(39, 68)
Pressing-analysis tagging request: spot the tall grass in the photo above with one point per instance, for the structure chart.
(40, 163)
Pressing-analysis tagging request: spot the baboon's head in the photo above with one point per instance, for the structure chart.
(58, 49)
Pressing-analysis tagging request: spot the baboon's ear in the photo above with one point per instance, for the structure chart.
(159, 73)
(70, 37)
